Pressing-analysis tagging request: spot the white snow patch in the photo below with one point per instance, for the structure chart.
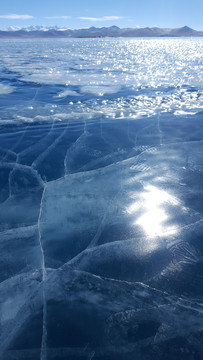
(100, 90)
(5, 89)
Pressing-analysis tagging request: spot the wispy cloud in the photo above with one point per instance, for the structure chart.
(103, 18)
(57, 17)
(16, 16)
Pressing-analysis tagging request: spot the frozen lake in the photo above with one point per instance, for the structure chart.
(101, 199)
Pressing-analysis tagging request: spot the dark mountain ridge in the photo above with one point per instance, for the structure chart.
(112, 31)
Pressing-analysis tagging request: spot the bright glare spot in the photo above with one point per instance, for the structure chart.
(152, 221)
(153, 201)
(132, 208)
(157, 197)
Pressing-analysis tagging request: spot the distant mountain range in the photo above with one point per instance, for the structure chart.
(112, 31)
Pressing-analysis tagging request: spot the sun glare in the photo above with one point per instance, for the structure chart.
(154, 215)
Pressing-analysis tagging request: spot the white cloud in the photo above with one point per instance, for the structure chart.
(57, 17)
(103, 18)
(15, 16)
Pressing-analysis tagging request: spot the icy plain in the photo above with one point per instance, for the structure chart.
(101, 199)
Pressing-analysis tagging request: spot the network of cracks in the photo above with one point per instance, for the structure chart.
(101, 239)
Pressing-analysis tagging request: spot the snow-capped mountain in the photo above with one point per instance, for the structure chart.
(35, 28)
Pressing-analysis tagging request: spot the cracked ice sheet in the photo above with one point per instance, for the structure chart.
(20, 251)
(89, 209)
(21, 306)
(21, 207)
(73, 300)
(111, 238)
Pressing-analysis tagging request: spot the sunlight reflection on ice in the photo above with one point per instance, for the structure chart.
(153, 219)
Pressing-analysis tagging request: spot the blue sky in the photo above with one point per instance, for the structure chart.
(86, 13)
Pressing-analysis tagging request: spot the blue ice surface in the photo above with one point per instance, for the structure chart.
(101, 199)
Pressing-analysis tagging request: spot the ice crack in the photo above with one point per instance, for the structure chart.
(44, 329)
